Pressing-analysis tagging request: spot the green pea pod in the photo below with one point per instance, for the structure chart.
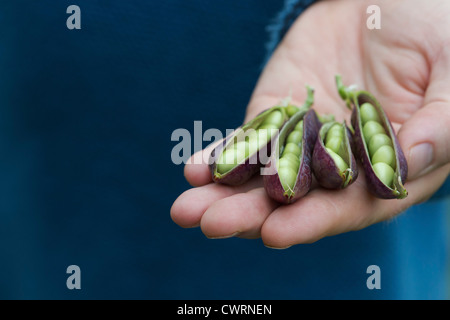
(287, 175)
(376, 144)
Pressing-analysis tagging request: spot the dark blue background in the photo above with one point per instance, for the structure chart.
(86, 119)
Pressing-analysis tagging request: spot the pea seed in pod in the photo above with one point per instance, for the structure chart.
(232, 156)
(292, 157)
(369, 113)
(340, 163)
(385, 154)
(333, 163)
(288, 177)
(262, 137)
(384, 172)
(299, 126)
(371, 128)
(288, 183)
(378, 140)
(238, 166)
(287, 162)
(335, 131)
(375, 144)
(268, 126)
(252, 138)
(275, 118)
(295, 137)
(334, 143)
(292, 148)
(291, 110)
(334, 139)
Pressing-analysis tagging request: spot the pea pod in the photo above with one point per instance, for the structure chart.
(376, 144)
(288, 173)
(238, 158)
(333, 163)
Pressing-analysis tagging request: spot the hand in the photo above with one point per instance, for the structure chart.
(405, 64)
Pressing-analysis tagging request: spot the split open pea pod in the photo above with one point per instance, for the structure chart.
(287, 175)
(376, 144)
(240, 155)
(333, 163)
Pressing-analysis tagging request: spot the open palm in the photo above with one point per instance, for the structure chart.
(405, 64)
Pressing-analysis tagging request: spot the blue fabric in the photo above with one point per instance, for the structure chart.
(86, 118)
(283, 21)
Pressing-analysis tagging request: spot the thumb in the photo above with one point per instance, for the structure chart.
(425, 138)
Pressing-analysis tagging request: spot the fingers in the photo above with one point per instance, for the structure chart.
(319, 214)
(240, 215)
(426, 134)
(424, 139)
(325, 213)
(196, 170)
(189, 207)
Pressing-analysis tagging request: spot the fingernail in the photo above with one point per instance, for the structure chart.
(223, 237)
(420, 158)
(278, 248)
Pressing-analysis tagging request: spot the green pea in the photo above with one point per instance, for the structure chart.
(292, 148)
(252, 137)
(295, 159)
(243, 146)
(378, 140)
(263, 136)
(334, 143)
(368, 113)
(258, 138)
(285, 162)
(295, 137)
(287, 176)
(371, 128)
(275, 118)
(340, 163)
(384, 172)
(336, 131)
(291, 110)
(299, 126)
(384, 154)
(230, 158)
(268, 126)
(288, 162)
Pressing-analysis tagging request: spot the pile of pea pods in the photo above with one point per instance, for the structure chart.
(294, 145)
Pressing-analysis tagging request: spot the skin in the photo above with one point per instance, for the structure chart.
(405, 64)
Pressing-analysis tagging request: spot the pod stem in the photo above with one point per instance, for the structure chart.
(399, 190)
(346, 93)
(348, 177)
(309, 98)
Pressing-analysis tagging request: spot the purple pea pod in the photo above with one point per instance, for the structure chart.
(287, 175)
(333, 163)
(376, 144)
(241, 154)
